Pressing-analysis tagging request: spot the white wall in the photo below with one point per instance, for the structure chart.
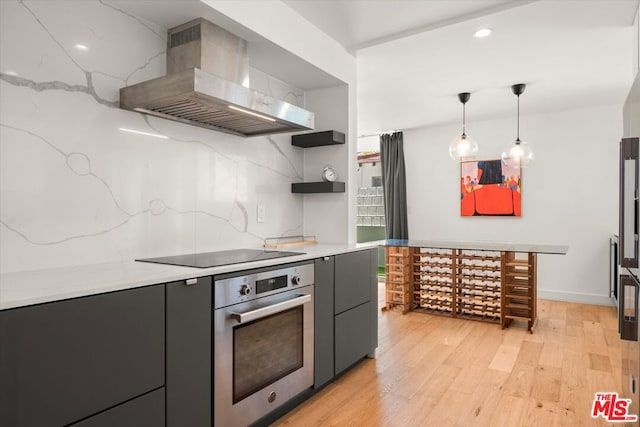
(75, 190)
(280, 24)
(325, 214)
(352, 148)
(635, 66)
(569, 193)
(277, 22)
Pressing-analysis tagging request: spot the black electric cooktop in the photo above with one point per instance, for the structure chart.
(219, 258)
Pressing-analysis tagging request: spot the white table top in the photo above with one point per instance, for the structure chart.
(479, 246)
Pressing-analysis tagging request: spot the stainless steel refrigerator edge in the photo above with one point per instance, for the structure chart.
(628, 248)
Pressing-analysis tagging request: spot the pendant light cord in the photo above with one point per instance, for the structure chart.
(463, 119)
(518, 122)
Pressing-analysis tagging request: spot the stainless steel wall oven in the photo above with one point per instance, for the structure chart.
(263, 341)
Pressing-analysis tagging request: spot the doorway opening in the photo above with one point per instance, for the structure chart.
(370, 220)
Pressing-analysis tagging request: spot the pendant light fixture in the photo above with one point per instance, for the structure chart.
(463, 147)
(518, 153)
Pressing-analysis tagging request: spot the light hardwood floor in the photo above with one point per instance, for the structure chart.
(438, 371)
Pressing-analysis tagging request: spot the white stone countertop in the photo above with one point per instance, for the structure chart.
(478, 245)
(40, 286)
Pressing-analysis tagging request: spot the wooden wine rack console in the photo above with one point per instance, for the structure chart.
(478, 280)
(398, 282)
(519, 289)
(434, 281)
(491, 286)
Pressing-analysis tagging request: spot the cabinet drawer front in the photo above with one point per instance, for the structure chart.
(64, 361)
(353, 338)
(352, 280)
(143, 411)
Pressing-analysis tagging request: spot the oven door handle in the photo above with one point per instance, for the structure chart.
(259, 313)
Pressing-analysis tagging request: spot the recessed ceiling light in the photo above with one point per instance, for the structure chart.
(81, 47)
(483, 32)
(11, 73)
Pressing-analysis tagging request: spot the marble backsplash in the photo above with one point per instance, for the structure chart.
(75, 189)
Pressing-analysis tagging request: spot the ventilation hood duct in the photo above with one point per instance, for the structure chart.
(207, 85)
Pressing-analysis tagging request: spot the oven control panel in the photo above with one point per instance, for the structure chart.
(271, 284)
(246, 287)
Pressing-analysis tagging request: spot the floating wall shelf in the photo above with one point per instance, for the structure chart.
(318, 187)
(318, 139)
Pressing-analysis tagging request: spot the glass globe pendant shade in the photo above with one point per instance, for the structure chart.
(463, 147)
(517, 154)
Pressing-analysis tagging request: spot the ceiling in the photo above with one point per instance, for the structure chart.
(415, 56)
(358, 24)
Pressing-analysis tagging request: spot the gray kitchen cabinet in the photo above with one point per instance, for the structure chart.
(323, 321)
(353, 339)
(346, 317)
(352, 280)
(189, 361)
(373, 280)
(64, 361)
(144, 411)
(356, 320)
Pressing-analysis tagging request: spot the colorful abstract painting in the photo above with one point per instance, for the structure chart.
(490, 188)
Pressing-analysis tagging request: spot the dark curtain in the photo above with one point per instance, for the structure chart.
(395, 185)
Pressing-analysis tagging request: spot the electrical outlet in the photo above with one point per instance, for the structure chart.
(261, 212)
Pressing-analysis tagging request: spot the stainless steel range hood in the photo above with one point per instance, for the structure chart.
(207, 86)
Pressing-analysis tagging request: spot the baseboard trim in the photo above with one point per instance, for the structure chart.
(575, 297)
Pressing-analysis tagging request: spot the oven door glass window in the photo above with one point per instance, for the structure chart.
(266, 350)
